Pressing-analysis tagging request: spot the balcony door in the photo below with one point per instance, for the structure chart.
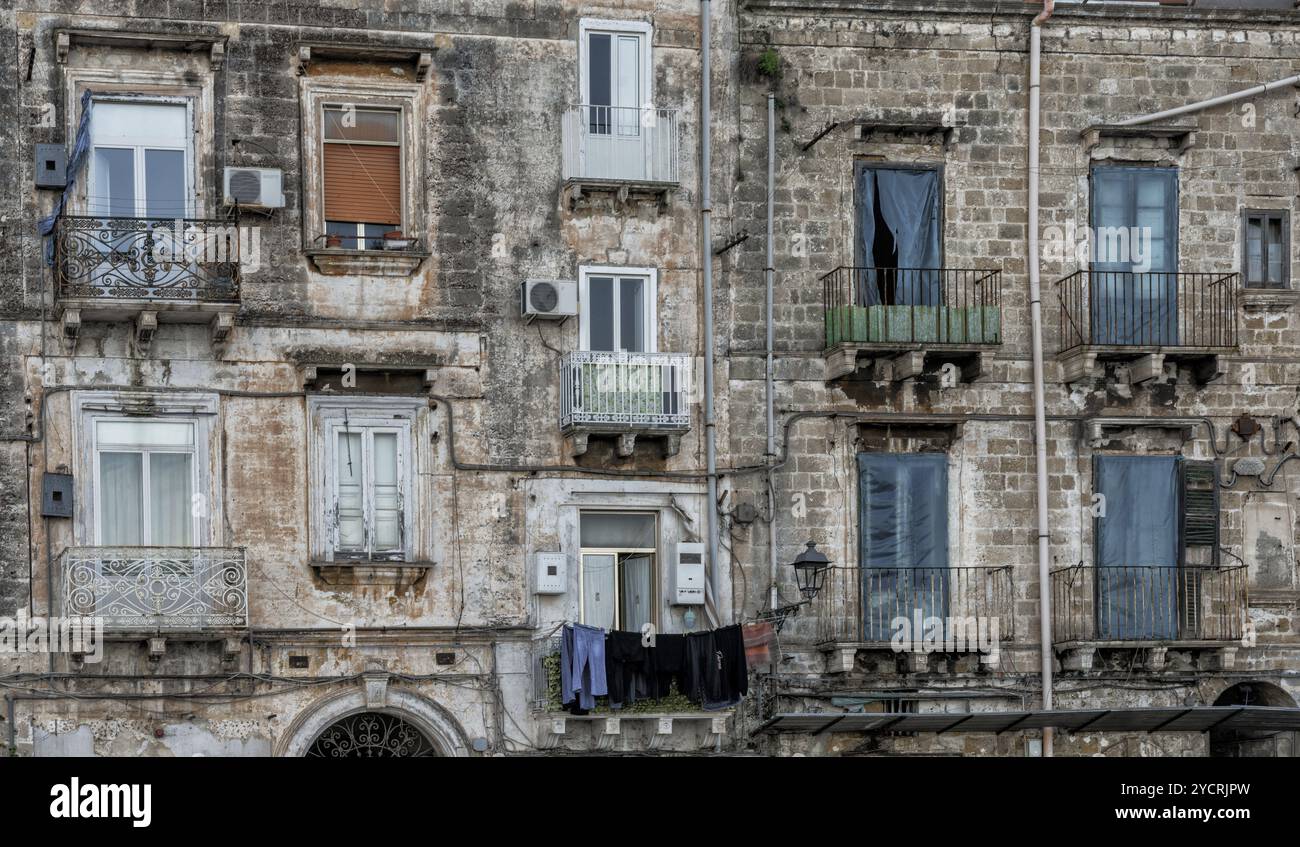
(618, 310)
(1134, 280)
(615, 91)
(898, 236)
(145, 483)
(140, 162)
(903, 539)
(1137, 534)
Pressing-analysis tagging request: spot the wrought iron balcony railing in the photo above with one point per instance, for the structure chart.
(157, 588)
(862, 605)
(632, 390)
(147, 259)
(1148, 603)
(620, 144)
(1146, 310)
(912, 306)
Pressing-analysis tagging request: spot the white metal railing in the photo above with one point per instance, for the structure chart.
(157, 587)
(620, 143)
(625, 389)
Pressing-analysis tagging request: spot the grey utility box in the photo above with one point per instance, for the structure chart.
(56, 495)
(51, 166)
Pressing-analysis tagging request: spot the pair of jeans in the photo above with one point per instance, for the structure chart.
(582, 665)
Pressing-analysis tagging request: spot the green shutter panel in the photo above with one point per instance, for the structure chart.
(1201, 506)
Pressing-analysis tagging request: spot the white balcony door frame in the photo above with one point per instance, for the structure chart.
(624, 150)
(141, 138)
(649, 310)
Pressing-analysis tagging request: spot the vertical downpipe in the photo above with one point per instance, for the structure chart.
(1040, 417)
(706, 255)
(769, 272)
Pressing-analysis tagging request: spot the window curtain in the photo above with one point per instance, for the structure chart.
(1137, 548)
(635, 599)
(903, 538)
(909, 204)
(121, 492)
(1134, 287)
(170, 522)
(598, 589)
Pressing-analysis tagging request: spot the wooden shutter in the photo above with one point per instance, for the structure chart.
(1199, 483)
(363, 183)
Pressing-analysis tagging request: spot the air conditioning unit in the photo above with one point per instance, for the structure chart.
(254, 187)
(550, 299)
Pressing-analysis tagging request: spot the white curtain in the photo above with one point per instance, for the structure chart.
(121, 493)
(171, 524)
(598, 590)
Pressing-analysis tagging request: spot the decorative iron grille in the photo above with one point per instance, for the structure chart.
(371, 735)
(147, 258)
(157, 587)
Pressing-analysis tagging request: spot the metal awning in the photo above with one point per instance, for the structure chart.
(1179, 719)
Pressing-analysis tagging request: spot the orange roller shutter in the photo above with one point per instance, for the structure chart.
(363, 183)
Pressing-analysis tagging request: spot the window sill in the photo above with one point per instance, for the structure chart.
(367, 262)
(398, 575)
(1269, 299)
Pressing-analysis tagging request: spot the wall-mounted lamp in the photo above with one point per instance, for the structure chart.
(810, 568)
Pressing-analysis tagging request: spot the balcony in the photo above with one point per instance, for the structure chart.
(625, 395)
(620, 148)
(147, 269)
(1147, 319)
(1149, 606)
(860, 608)
(908, 316)
(157, 589)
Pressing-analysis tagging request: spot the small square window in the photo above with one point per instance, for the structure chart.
(1266, 236)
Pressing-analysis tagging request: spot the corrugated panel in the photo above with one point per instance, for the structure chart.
(363, 183)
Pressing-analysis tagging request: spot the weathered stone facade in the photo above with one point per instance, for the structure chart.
(451, 638)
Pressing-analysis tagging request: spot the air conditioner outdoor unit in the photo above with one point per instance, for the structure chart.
(549, 299)
(254, 187)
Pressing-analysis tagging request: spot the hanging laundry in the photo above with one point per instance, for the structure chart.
(716, 675)
(669, 656)
(582, 667)
(759, 639)
(629, 669)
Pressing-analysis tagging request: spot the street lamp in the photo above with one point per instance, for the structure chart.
(810, 568)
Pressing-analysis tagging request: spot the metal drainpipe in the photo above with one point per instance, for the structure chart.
(1040, 414)
(1213, 101)
(706, 254)
(771, 388)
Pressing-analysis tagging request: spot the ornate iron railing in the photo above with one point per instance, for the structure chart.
(912, 306)
(1143, 310)
(147, 259)
(862, 605)
(625, 389)
(157, 587)
(620, 143)
(1148, 603)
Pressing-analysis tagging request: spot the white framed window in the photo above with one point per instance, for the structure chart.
(148, 475)
(141, 157)
(618, 580)
(363, 479)
(615, 74)
(617, 309)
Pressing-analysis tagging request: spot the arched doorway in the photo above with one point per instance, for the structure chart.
(371, 735)
(1229, 743)
(347, 724)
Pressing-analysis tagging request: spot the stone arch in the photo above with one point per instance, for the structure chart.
(1242, 744)
(441, 730)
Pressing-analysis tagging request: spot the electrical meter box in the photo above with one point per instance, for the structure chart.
(552, 572)
(688, 574)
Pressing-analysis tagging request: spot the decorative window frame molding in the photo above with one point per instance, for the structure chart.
(407, 413)
(314, 94)
(203, 409)
(153, 85)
